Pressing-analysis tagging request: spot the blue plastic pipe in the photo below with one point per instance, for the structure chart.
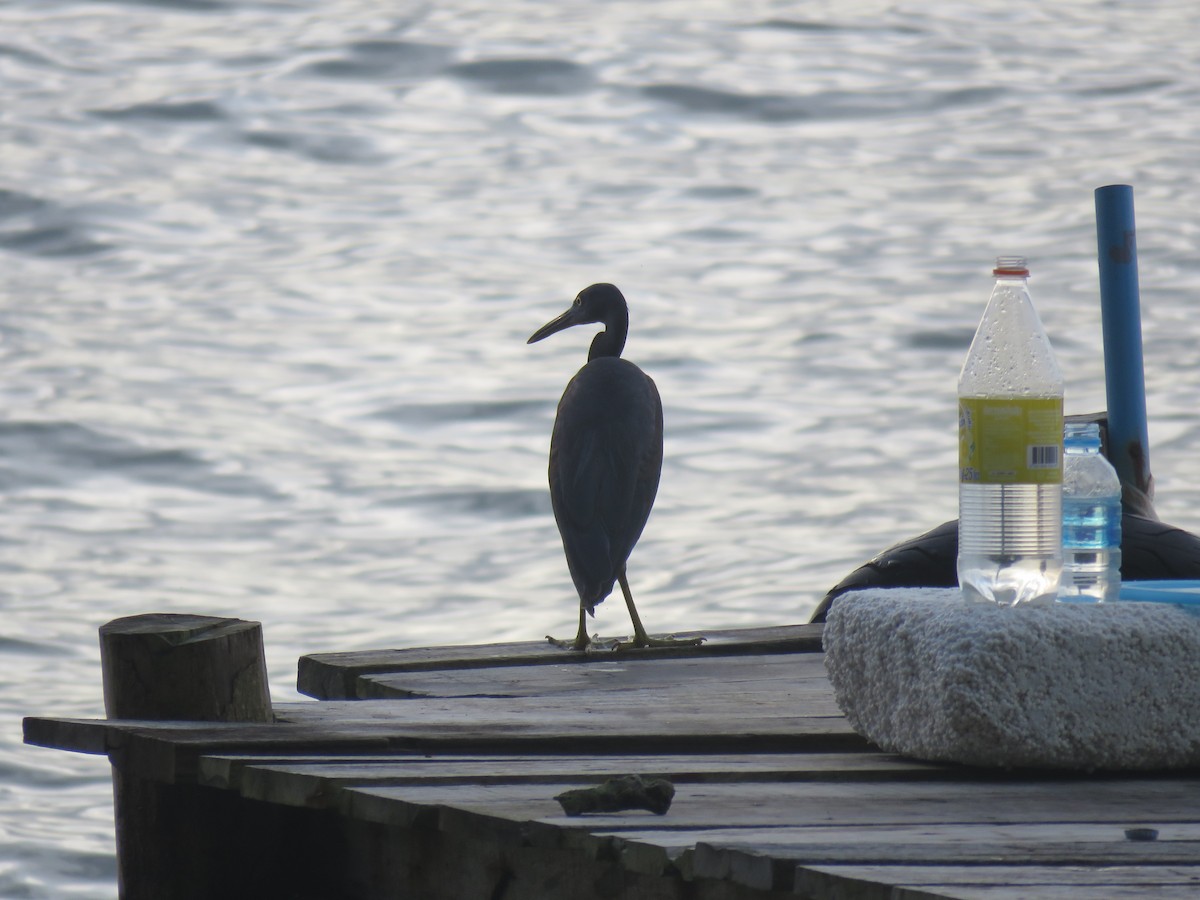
(1121, 318)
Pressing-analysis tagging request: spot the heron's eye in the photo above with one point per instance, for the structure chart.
(578, 300)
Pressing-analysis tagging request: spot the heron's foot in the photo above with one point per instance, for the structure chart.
(639, 641)
(584, 644)
(574, 644)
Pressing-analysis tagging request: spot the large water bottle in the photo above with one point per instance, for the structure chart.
(1091, 518)
(1010, 428)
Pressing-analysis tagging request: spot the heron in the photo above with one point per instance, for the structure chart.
(606, 454)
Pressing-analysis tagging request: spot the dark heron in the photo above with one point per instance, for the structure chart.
(605, 458)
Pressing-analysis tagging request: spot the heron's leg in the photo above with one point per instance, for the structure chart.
(582, 641)
(581, 636)
(640, 638)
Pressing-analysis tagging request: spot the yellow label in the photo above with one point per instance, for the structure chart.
(1011, 440)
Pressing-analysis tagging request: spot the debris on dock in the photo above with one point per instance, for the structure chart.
(619, 794)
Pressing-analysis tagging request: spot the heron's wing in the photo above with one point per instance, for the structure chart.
(605, 460)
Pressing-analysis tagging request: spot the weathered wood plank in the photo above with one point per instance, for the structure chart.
(224, 770)
(949, 842)
(763, 853)
(311, 782)
(999, 882)
(702, 853)
(169, 749)
(335, 676)
(1020, 892)
(515, 734)
(1031, 875)
(1124, 802)
(78, 735)
(1041, 892)
(707, 841)
(773, 702)
(888, 852)
(861, 868)
(531, 767)
(800, 675)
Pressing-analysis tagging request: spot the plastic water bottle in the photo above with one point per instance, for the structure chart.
(1091, 519)
(1010, 429)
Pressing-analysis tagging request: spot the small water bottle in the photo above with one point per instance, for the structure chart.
(1091, 519)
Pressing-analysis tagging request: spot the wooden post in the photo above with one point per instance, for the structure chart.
(177, 667)
(195, 668)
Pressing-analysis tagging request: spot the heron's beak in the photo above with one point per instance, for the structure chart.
(573, 316)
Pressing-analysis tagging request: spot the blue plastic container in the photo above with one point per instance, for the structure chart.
(1184, 594)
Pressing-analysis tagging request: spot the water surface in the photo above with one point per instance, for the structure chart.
(267, 270)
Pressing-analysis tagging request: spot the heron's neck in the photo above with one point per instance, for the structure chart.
(611, 341)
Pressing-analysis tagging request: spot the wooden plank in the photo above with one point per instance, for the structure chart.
(1032, 875)
(1000, 882)
(1041, 892)
(952, 842)
(788, 814)
(78, 735)
(470, 769)
(311, 782)
(1019, 892)
(520, 725)
(502, 812)
(773, 867)
(335, 676)
(1123, 802)
(771, 702)
(792, 846)
(517, 732)
(797, 678)
(757, 855)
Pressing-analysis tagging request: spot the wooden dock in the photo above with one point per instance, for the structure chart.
(432, 773)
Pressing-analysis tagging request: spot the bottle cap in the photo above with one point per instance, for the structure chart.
(1012, 266)
(1079, 435)
(1082, 429)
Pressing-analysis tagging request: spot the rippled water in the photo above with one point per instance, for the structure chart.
(267, 270)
